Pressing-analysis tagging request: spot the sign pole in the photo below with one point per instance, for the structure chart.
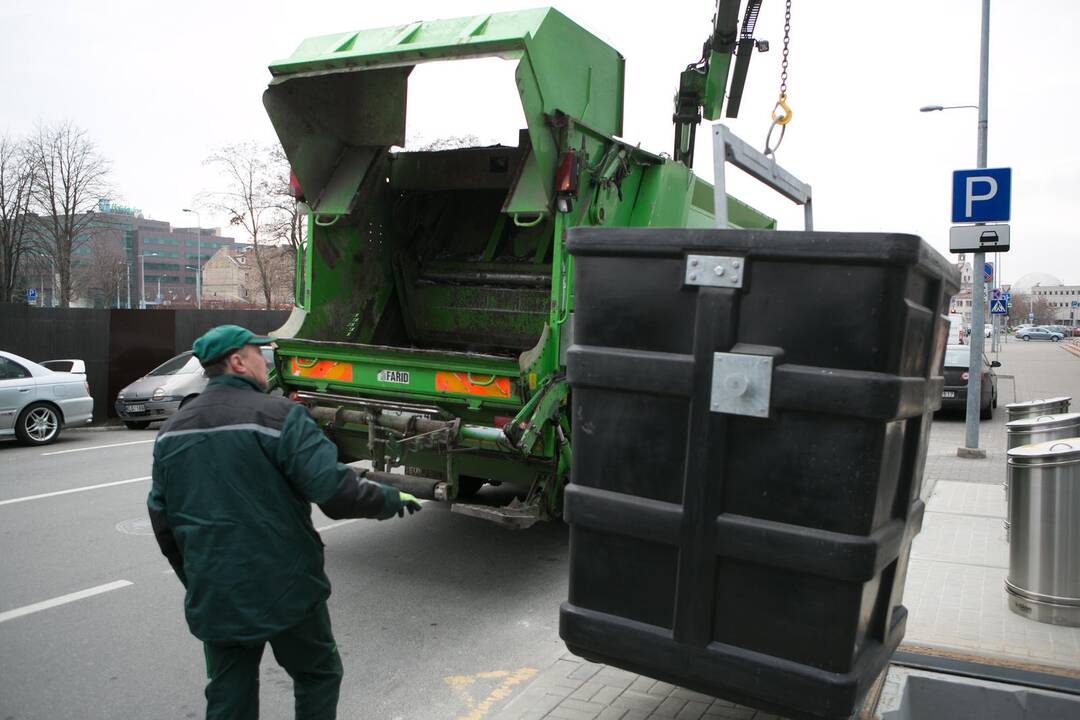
(978, 306)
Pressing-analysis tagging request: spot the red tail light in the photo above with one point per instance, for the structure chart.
(965, 375)
(566, 177)
(566, 181)
(294, 187)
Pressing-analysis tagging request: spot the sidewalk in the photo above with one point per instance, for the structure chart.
(955, 584)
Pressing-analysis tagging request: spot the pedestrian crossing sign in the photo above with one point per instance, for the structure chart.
(997, 307)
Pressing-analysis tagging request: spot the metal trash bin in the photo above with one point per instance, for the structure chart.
(1035, 408)
(1033, 430)
(1044, 556)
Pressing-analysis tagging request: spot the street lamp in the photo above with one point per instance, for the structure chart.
(198, 251)
(978, 305)
(142, 279)
(935, 108)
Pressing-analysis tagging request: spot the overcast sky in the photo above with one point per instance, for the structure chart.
(159, 85)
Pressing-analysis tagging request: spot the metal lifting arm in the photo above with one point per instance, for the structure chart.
(702, 84)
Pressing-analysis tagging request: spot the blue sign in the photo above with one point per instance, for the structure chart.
(31, 295)
(998, 308)
(981, 196)
(1007, 296)
(1075, 303)
(988, 272)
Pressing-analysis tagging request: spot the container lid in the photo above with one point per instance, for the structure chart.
(1038, 423)
(1055, 452)
(1035, 403)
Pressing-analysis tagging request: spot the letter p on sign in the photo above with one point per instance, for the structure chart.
(981, 196)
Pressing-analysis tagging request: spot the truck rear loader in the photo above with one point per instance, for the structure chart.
(435, 297)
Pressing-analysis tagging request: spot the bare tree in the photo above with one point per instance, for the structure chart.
(287, 221)
(249, 199)
(71, 177)
(105, 271)
(16, 186)
(279, 267)
(1024, 304)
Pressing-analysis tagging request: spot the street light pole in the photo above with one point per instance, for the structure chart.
(142, 279)
(198, 261)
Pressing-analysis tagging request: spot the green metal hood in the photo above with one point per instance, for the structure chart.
(339, 101)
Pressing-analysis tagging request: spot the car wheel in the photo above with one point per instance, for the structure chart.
(1025, 338)
(137, 424)
(38, 424)
(1054, 338)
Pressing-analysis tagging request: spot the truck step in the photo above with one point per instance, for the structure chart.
(515, 516)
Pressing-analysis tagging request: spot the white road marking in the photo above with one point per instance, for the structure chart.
(336, 525)
(28, 498)
(97, 447)
(63, 600)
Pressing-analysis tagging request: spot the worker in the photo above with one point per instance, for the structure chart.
(235, 473)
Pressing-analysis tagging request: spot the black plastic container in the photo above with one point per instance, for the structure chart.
(756, 558)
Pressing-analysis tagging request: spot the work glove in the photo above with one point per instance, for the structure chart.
(396, 502)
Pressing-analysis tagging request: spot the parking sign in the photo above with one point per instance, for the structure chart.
(981, 196)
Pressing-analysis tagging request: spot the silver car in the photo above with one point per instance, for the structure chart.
(165, 389)
(36, 403)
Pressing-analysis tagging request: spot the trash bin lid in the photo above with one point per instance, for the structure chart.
(1038, 423)
(1054, 452)
(1035, 403)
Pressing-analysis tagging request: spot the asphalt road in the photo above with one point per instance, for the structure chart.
(436, 615)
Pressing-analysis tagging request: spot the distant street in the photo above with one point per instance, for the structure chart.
(437, 616)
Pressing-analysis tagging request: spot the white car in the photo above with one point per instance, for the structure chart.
(36, 403)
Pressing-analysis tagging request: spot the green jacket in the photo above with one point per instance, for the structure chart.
(235, 473)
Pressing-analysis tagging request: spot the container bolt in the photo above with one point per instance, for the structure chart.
(737, 385)
(736, 264)
(719, 270)
(693, 263)
(693, 277)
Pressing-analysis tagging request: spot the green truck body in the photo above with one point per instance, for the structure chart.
(434, 298)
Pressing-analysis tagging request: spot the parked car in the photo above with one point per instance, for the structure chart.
(165, 389)
(1040, 332)
(37, 403)
(954, 394)
(75, 367)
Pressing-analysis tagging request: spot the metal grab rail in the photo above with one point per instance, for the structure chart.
(728, 148)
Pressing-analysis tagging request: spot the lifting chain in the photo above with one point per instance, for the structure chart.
(781, 113)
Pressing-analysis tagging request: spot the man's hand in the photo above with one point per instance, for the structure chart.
(396, 502)
(410, 503)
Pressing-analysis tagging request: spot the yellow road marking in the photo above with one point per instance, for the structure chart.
(477, 710)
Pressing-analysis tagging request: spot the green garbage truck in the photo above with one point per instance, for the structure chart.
(434, 296)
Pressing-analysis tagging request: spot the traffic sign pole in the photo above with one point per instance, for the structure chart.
(978, 306)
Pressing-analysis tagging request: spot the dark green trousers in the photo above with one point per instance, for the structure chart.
(306, 651)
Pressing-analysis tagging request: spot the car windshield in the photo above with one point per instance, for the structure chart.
(182, 364)
(957, 357)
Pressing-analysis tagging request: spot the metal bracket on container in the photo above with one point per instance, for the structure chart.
(714, 271)
(741, 384)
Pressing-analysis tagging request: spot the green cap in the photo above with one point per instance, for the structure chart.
(224, 339)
